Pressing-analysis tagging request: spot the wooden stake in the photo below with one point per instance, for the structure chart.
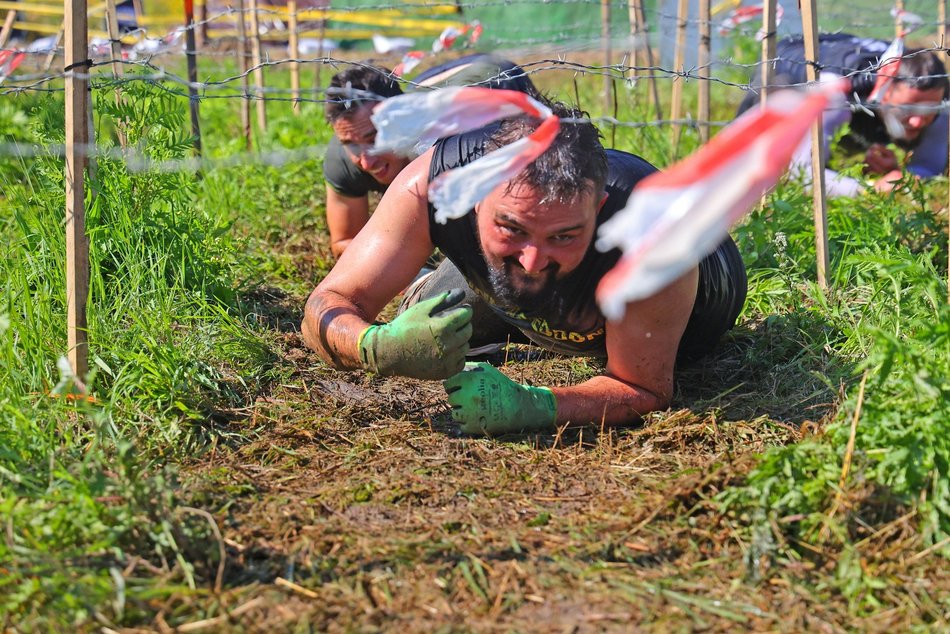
(767, 69)
(633, 18)
(258, 69)
(201, 34)
(649, 52)
(898, 18)
(942, 31)
(52, 52)
(318, 82)
(7, 29)
(294, 54)
(605, 38)
(192, 60)
(77, 138)
(942, 26)
(942, 34)
(112, 28)
(242, 61)
(676, 108)
(704, 57)
(810, 31)
(768, 49)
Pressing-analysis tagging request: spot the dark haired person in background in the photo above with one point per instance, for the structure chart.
(908, 114)
(350, 169)
(521, 265)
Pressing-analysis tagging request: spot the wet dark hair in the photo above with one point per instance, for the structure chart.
(923, 70)
(342, 103)
(576, 161)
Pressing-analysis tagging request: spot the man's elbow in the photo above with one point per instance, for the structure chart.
(337, 247)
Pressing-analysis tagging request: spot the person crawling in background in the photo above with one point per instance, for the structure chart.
(907, 115)
(350, 169)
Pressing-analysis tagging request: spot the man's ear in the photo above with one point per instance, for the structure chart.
(603, 201)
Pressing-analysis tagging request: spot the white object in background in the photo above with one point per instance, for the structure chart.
(384, 45)
(311, 46)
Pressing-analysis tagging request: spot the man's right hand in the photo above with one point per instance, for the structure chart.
(428, 340)
(880, 159)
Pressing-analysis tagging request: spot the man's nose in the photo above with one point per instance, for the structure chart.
(366, 160)
(533, 259)
(918, 121)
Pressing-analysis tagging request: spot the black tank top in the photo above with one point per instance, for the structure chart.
(570, 323)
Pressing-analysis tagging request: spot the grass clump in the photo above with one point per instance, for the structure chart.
(85, 487)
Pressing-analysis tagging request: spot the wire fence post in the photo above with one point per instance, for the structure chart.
(201, 36)
(48, 63)
(7, 28)
(898, 18)
(810, 31)
(705, 40)
(942, 26)
(768, 49)
(645, 29)
(77, 137)
(112, 28)
(256, 59)
(294, 43)
(767, 69)
(676, 107)
(318, 81)
(608, 53)
(242, 64)
(192, 60)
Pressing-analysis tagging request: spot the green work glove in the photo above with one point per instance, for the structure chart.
(428, 340)
(486, 401)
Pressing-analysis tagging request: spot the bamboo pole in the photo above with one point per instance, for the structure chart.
(633, 18)
(201, 34)
(318, 82)
(112, 28)
(768, 48)
(294, 42)
(192, 60)
(942, 26)
(7, 28)
(705, 39)
(676, 107)
(256, 59)
(608, 53)
(645, 27)
(899, 18)
(77, 138)
(942, 34)
(242, 62)
(52, 52)
(810, 31)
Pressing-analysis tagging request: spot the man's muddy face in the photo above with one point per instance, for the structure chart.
(908, 111)
(529, 243)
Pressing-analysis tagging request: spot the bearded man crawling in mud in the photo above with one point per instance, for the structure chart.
(520, 267)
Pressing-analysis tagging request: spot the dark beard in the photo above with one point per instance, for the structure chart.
(521, 299)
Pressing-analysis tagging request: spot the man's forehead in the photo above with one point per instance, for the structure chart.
(907, 94)
(356, 126)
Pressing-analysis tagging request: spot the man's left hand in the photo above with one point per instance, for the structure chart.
(487, 402)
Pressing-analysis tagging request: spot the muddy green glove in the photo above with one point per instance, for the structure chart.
(486, 401)
(428, 340)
